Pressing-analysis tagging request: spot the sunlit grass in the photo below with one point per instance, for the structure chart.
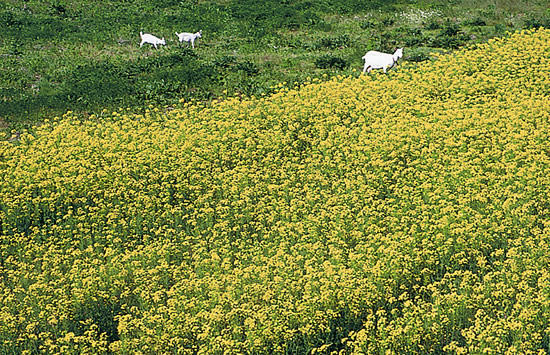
(47, 42)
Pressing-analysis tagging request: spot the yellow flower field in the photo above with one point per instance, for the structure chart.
(382, 214)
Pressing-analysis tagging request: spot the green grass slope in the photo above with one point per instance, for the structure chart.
(84, 56)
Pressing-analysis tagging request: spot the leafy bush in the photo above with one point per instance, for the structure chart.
(445, 42)
(475, 22)
(367, 24)
(226, 62)
(8, 19)
(247, 67)
(358, 6)
(158, 79)
(537, 23)
(334, 42)
(417, 57)
(387, 20)
(58, 8)
(232, 63)
(273, 14)
(432, 24)
(450, 29)
(450, 37)
(500, 29)
(329, 61)
(413, 37)
(97, 82)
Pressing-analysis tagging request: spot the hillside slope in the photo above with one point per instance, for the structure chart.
(84, 56)
(405, 212)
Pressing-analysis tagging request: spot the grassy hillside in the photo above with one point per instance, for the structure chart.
(402, 213)
(84, 56)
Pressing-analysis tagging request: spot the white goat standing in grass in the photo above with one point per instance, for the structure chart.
(148, 38)
(189, 37)
(378, 60)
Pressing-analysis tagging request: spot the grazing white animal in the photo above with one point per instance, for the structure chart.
(152, 40)
(378, 60)
(189, 37)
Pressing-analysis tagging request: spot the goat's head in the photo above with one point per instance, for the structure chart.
(398, 53)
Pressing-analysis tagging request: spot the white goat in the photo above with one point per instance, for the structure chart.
(189, 37)
(148, 38)
(378, 60)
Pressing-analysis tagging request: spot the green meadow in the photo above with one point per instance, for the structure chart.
(84, 56)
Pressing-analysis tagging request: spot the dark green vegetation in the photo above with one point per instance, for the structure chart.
(84, 55)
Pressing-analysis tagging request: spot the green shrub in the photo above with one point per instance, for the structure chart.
(58, 8)
(367, 24)
(97, 82)
(450, 29)
(413, 37)
(500, 29)
(432, 24)
(231, 63)
(445, 42)
(475, 22)
(328, 61)
(417, 57)
(226, 61)
(8, 20)
(334, 42)
(271, 14)
(247, 67)
(450, 37)
(388, 20)
(536, 23)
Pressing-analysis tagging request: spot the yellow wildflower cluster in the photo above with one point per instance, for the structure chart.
(399, 213)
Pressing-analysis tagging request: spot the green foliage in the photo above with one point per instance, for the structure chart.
(450, 36)
(160, 78)
(475, 22)
(97, 82)
(328, 61)
(99, 311)
(232, 64)
(334, 42)
(450, 29)
(60, 55)
(417, 57)
(58, 8)
(537, 23)
(273, 14)
(432, 24)
(367, 24)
